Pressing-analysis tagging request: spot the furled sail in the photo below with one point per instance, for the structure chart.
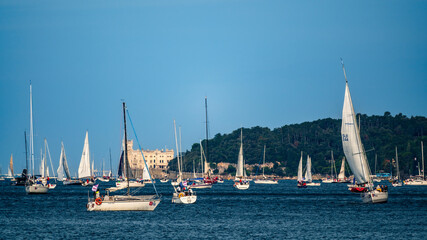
(84, 167)
(120, 173)
(341, 176)
(352, 144)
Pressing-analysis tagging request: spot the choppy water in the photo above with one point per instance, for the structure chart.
(262, 212)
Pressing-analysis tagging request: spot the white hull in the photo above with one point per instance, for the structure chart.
(36, 189)
(416, 183)
(201, 186)
(265, 181)
(84, 184)
(103, 179)
(399, 184)
(374, 196)
(183, 199)
(313, 184)
(164, 181)
(241, 186)
(174, 184)
(52, 186)
(125, 203)
(124, 184)
(328, 181)
(71, 182)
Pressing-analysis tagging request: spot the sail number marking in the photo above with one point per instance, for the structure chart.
(345, 137)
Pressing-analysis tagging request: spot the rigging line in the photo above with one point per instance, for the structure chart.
(140, 149)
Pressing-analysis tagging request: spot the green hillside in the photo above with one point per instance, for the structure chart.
(380, 135)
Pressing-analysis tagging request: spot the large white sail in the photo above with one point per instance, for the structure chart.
(63, 165)
(341, 176)
(308, 176)
(300, 169)
(352, 144)
(84, 167)
(239, 168)
(145, 174)
(11, 164)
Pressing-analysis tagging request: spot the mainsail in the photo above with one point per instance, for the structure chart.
(84, 167)
(341, 176)
(300, 169)
(239, 169)
(63, 165)
(352, 144)
(308, 176)
(145, 174)
(11, 166)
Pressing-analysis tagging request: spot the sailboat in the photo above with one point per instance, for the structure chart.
(33, 185)
(10, 168)
(126, 202)
(341, 176)
(241, 182)
(183, 194)
(420, 179)
(332, 178)
(63, 168)
(85, 172)
(397, 182)
(124, 176)
(264, 179)
(201, 183)
(206, 169)
(301, 183)
(308, 176)
(355, 152)
(46, 175)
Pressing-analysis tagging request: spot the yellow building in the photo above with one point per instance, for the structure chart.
(156, 159)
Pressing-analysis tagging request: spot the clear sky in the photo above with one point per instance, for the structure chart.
(260, 63)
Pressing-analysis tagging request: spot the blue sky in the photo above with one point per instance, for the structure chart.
(260, 63)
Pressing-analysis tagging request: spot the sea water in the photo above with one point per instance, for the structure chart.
(279, 211)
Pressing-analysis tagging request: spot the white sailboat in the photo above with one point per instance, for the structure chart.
(355, 152)
(10, 174)
(126, 202)
(46, 178)
(332, 178)
(301, 182)
(33, 185)
(85, 173)
(201, 183)
(63, 169)
(124, 177)
(420, 180)
(241, 182)
(341, 176)
(264, 179)
(183, 194)
(308, 176)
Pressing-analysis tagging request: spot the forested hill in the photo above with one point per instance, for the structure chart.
(380, 134)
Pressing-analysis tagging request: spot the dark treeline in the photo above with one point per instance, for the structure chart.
(380, 135)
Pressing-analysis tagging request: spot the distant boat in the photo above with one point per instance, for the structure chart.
(301, 182)
(308, 176)
(332, 178)
(420, 180)
(241, 182)
(183, 194)
(33, 185)
(341, 176)
(85, 170)
(397, 182)
(126, 202)
(355, 152)
(63, 169)
(10, 168)
(264, 179)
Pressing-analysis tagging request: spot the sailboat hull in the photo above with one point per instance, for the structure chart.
(183, 199)
(374, 196)
(241, 186)
(313, 184)
(416, 182)
(124, 203)
(36, 189)
(265, 181)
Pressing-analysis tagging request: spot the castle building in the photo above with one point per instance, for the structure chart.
(156, 159)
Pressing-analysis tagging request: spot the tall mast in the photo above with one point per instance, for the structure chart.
(126, 147)
(180, 149)
(207, 136)
(397, 166)
(375, 164)
(422, 157)
(31, 131)
(26, 151)
(263, 162)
